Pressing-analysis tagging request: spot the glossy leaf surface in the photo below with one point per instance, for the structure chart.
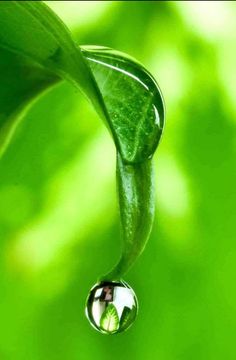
(35, 33)
(133, 101)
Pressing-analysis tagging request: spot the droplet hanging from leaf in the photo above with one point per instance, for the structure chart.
(135, 111)
(111, 307)
(126, 97)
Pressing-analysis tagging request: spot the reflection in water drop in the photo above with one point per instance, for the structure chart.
(111, 307)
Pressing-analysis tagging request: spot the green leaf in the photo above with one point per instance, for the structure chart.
(127, 317)
(36, 52)
(21, 82)
(132, 99)
(137, 207)
(33, 32)
(136, 114)
(109, 320)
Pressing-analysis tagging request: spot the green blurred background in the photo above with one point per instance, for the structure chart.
(59, 224)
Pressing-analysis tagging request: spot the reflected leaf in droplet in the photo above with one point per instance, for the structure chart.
(109, 320)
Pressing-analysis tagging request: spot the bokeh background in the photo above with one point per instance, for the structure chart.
(59, 224)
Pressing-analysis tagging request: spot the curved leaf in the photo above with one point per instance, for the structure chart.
(137, 207)
(37, 51)
(33, 31)
(133, 101)
(136, 110)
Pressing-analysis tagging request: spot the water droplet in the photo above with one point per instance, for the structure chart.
(111, 307)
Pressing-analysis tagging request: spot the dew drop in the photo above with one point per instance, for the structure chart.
(111, 307)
